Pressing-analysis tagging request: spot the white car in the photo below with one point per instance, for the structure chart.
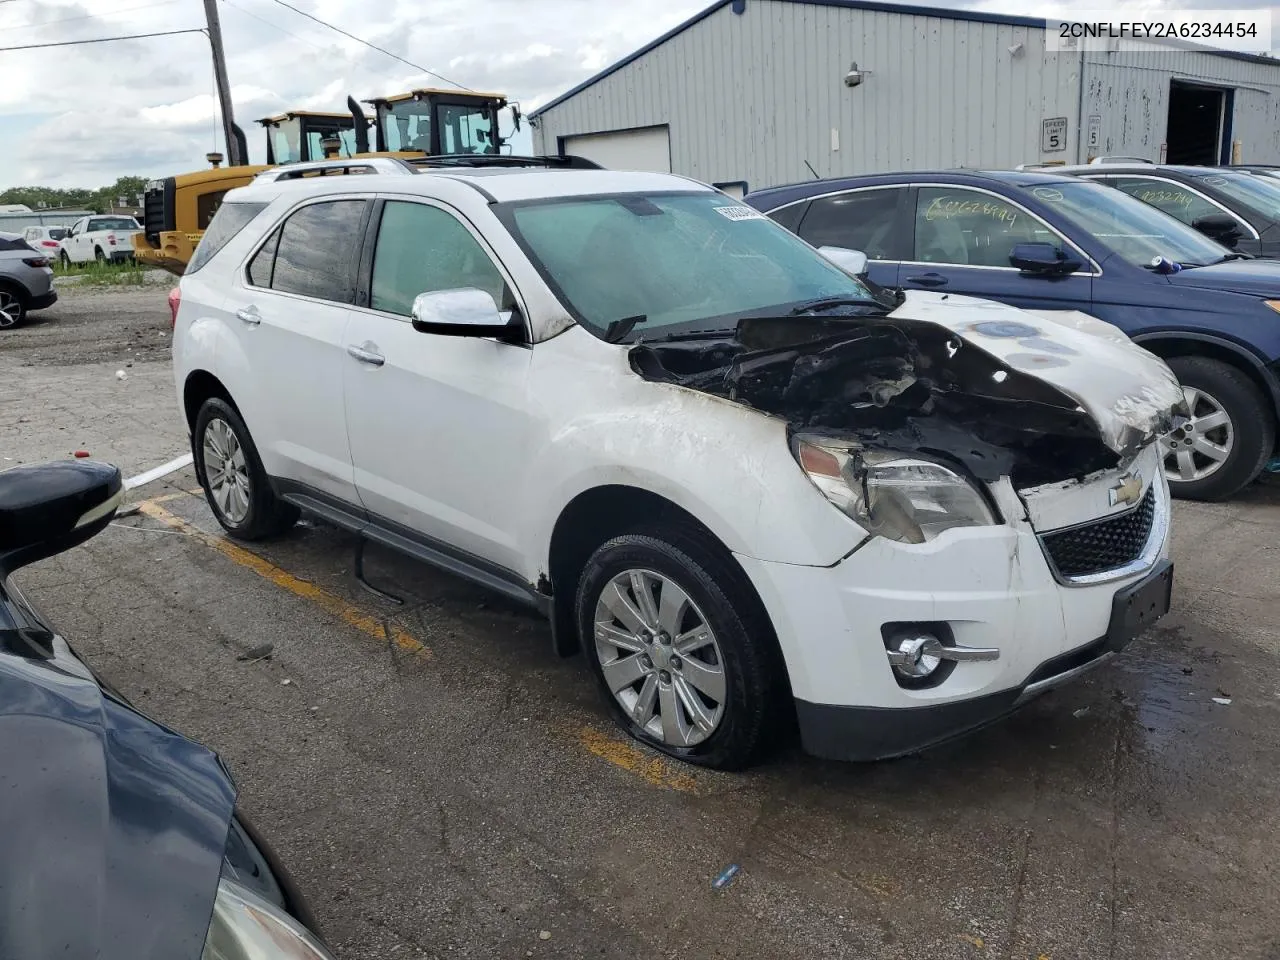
(748, 483)
(101, 238)
(45, 240)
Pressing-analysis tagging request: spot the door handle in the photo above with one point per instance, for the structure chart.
(249, 315)
(367, 353)
(929, 280)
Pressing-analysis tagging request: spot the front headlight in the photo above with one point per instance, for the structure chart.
(892, 495)
(246, 927)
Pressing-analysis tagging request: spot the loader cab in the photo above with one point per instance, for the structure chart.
(299, 135)
(437, 122)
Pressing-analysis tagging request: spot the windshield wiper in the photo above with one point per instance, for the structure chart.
(620, 328)
(825, 303)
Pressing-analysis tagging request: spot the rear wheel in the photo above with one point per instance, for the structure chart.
(1229, 437)
(680, 647)
(235, 484)
(99, 255)
(13, 308)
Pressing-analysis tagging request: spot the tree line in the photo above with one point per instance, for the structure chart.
(129, 188)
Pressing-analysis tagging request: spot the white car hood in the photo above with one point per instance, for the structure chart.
(1131, 394)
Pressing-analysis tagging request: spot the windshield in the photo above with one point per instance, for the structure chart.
(693, 259)
(1133, 230)
(114, 223)
(407, 125)
(466, 129)
(1260, 193)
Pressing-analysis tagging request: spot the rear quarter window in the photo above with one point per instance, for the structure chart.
(228, 220)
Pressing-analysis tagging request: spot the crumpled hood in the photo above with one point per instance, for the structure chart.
(112, 828)
(1037, 397)
(1130, 392)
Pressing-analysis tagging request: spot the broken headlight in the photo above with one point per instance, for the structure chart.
(893, 495)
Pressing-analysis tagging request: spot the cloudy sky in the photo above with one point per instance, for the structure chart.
(84, 115)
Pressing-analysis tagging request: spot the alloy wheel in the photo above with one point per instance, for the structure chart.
(226, 470)
(1202, 445)
(10, 309)
(660, 657)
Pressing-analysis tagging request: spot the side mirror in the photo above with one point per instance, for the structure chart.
(853, 262)
(46, 508)
(464, 312)
(1220, 227)
(1042, 259)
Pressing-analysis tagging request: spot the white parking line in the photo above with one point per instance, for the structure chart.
(155, 473)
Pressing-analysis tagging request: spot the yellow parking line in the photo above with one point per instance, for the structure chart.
(625, 754)
(331, 604)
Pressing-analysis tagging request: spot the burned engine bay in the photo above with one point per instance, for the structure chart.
(896, 383)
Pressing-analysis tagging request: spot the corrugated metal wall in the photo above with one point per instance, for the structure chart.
(1129, 91)
(753, 96)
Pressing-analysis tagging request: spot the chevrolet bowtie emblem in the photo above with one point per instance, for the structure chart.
(1128, 490)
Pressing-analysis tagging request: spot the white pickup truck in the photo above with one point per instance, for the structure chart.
(101, 238)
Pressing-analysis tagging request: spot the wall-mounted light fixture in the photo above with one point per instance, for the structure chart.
(855, 76)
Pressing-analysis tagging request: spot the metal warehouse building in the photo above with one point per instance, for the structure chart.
(758, 92)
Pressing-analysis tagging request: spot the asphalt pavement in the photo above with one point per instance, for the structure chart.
(442, 786)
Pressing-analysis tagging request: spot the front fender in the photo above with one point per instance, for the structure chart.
(726, 464)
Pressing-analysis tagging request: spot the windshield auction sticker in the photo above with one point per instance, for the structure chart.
(739, 213)
(1243, 31)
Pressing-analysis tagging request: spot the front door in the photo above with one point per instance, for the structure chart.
(963, 238)
(439, 425)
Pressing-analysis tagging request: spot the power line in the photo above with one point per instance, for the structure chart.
(371, 46)
(75, 43)
(91, 16)
(274, 26)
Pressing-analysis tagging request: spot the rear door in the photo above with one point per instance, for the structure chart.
(874, 220)
(439, 425)
(289, 312)
(962, 238)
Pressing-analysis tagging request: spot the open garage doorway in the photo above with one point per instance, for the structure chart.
(1199, 124)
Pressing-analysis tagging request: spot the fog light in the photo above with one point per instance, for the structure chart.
(916, 656)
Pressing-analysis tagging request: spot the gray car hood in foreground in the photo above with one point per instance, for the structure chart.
(112, 828)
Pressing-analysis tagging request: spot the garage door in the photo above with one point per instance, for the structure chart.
(648, 148)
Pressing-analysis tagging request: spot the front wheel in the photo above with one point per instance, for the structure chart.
(65, 260)
(235, 484)
(1229, 437)
(681, 649)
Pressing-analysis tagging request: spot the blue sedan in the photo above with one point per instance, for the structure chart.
(1047, 242)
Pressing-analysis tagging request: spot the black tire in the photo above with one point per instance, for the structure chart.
(754, 705)
(267, 515)
(13, 304)
(1252, 423)
(66, 260)
(99, 255)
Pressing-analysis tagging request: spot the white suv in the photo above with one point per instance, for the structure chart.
(752, 485)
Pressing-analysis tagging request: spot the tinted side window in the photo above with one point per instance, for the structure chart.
(422, 249)
(1173, 198)
(317, 251)
(227, 222)
(789, 216)
(865, 220)
(263, 261)
(955, 225)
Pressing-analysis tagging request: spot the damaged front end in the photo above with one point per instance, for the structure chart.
(938, 383)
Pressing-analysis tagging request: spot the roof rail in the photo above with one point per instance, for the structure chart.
(563, 162)
(328, 168)
(1099, 161)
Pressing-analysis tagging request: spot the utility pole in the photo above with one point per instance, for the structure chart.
(224, 87)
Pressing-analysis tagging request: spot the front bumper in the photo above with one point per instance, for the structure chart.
(982, 587)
